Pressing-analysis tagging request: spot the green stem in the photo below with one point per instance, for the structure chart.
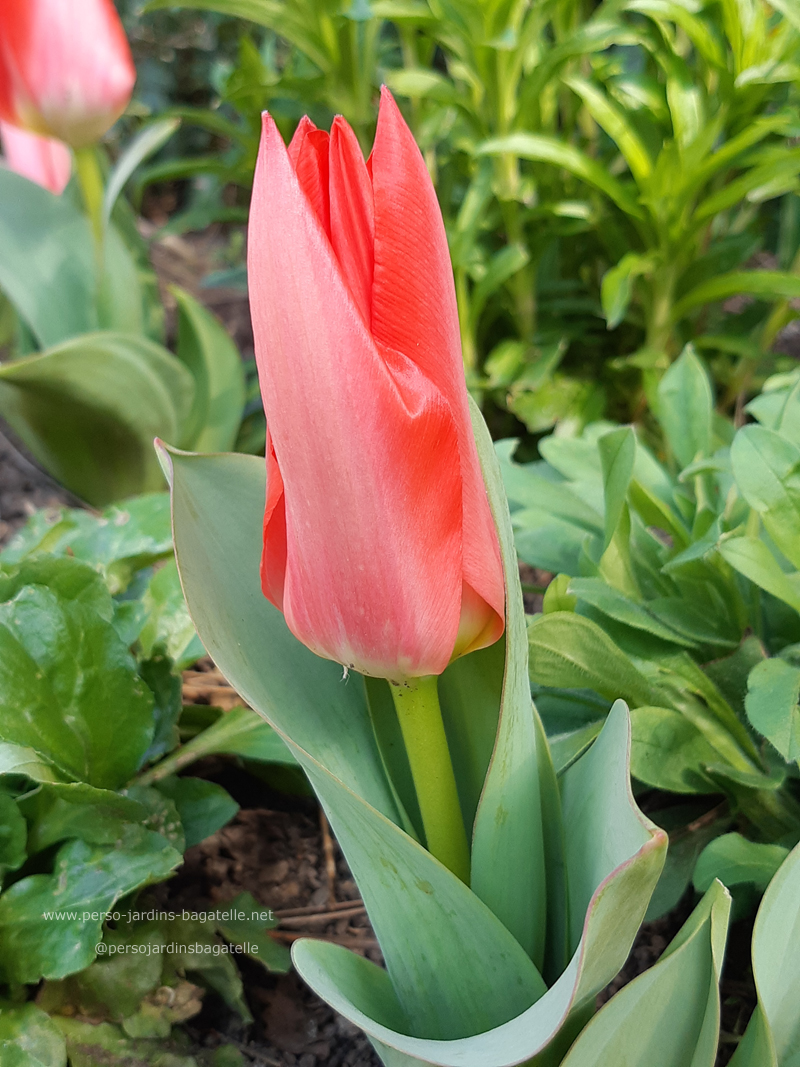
(417, 704)
(90, 179)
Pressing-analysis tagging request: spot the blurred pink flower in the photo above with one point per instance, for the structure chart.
(65, 68)
(41, 159)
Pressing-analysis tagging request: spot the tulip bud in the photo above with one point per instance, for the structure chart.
(41, 159)
(379, 544)
(65, 68)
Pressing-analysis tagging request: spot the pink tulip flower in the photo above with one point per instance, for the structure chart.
(65, 68)
(41, 159)
(379, 543)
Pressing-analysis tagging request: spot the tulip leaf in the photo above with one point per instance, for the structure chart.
(685, 407)
(462, 970)
(508, 833)
(670, 1014)
(776, 960)
(88, 411)
(618, 878)
(205, 348)
(46, 260)
(29, 1038)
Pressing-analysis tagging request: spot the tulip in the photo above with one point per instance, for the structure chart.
(379, 544)
(65, 68)
(41, 159)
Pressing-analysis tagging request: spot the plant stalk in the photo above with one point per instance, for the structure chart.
(417, 704)
(90, 179)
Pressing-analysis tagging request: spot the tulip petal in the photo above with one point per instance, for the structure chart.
(367, 449)
(414, 311)
(273, 559)
(352, 215)
(308, 153)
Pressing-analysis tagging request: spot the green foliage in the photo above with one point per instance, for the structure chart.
(611, 165)
(91, 809)
(453, 969)
(93, 384)
(661, 587)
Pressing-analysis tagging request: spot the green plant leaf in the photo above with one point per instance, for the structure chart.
(612, 119)
(772, 1037)
(670, 1014)
(205, 348)
(550, 150)
(13, 835)
(669, 752)
(46, 260)
(751, 557)
(168, 622)
(767, 471)
(204, 807)
(600, 896)
(617, 606)
(247, 925)
(734, 860)
(617, 286)
(123, 539)
(617, 451)
(58, 812)
(68, 667)
(762, 284)
(569, 651)
(29, 1038)
(146, 142)
(508, 830)
(773, 695)
(50, 923)
(685, 407)
(89, 409)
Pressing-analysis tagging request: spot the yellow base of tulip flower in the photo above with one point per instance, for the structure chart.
(417, 704)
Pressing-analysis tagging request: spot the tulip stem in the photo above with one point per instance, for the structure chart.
(417, 704)
(90, 179)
